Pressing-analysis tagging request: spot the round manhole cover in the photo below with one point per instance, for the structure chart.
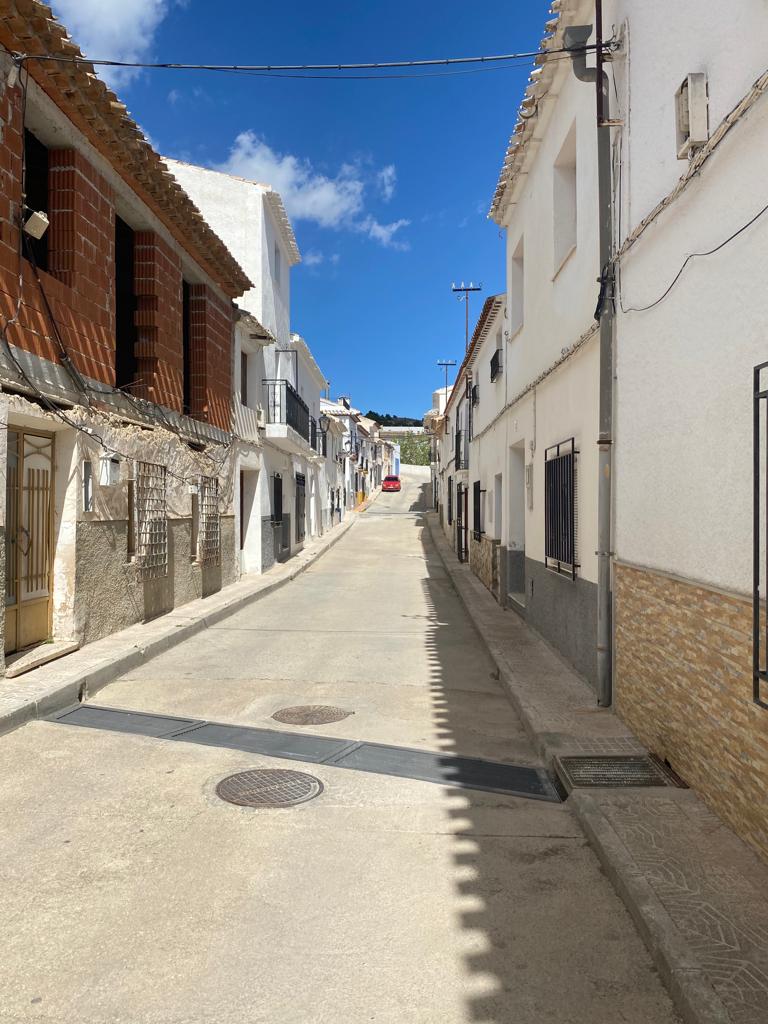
(311, 714)
(269, 787)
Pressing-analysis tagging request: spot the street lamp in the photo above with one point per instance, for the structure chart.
(325, 422)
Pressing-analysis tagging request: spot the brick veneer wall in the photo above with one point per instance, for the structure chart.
(158, 318)
(210, 356)
(683, 682)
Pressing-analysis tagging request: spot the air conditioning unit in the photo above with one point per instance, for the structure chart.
(261, 417)
(691, 107)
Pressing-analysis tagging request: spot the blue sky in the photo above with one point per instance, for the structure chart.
(388, 182)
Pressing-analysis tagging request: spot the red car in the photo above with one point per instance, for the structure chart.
(391, 483)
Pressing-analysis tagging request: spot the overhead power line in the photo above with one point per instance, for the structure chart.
(489, 59)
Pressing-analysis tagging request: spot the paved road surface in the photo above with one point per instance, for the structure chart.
(131, 894)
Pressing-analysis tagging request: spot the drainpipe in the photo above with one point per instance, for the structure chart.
(577, 36)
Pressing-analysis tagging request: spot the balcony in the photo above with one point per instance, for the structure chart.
(288, 419)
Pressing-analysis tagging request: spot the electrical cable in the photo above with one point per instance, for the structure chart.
(688, 258)
(268, 68)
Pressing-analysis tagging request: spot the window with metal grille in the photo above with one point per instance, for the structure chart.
(150, 520)
(496, 364)
(450, 500)
(209, 532)
(477, 510)
(560, 508)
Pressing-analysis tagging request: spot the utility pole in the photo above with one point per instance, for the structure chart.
(463, 296)
(445, 363)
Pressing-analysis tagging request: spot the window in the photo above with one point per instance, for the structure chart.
(477, 511)
(277, 498)
(517, 288)
(496, 364)
(560, 508)
(277, 263)
(244, 378)
(131, 541)
(150, 520)
(564, 200)
(186, 348)
(195, 531)
(36, 199)
(125, 305)
(87, 486)
(209, 536)
(450, 500)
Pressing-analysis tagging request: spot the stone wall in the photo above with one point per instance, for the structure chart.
(683, 682)
(484, 561)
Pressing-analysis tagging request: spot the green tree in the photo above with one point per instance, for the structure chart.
(415, 450)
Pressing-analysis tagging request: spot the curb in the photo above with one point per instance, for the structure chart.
(85, 682)
(693, 996)
(685, 979)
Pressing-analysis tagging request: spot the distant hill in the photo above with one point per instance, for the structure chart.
(388, 420)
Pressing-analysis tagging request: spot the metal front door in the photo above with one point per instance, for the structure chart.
(28, 539)
(462, 499)
(301, 492)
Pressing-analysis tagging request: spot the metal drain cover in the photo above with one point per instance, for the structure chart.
(609, 770)
(311, 714)
(269, 787)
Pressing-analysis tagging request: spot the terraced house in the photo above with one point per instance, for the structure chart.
(116, 359)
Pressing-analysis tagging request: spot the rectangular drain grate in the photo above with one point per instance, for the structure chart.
(611, 770)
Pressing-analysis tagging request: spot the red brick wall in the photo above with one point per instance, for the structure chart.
(210, 356)
(80, 286)
(157, 280)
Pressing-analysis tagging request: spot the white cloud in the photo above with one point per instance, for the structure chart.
(386, 179)
(110, 31)
(332, 202)
(384, 233)
(174, 96)
(312, 258)
(307, 194)
(335, 259)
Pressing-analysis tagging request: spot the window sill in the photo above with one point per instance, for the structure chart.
(564, 260)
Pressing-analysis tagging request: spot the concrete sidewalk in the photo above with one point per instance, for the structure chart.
(696, 893)
(42, 691)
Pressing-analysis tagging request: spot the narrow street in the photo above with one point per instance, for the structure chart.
(132, 893)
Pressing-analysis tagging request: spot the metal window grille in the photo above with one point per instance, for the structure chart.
(150, 520)
(496, 364)
(209, 532)
(560, 508)
(475, 394)
(760, 519)
(450, 500)
(477, 500)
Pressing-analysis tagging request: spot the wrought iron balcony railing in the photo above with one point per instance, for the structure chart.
(285, 405)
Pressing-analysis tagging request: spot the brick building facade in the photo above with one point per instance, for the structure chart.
(115, 362)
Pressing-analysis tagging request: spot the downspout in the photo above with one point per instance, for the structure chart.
(576, 37)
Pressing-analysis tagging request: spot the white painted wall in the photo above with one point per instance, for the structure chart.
(239, 213)
(683, 473)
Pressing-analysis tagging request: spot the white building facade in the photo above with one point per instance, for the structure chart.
(287, 482)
